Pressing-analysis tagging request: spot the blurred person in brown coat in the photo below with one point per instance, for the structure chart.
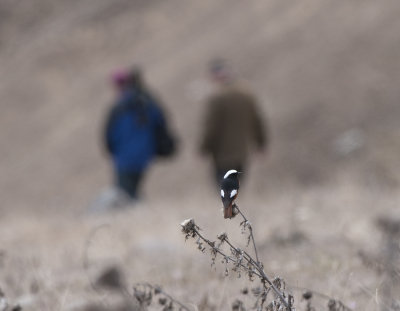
(233, 125)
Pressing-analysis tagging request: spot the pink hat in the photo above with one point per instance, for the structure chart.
(120, 77)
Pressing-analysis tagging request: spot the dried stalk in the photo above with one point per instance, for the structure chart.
(254, 267)
(247, 224)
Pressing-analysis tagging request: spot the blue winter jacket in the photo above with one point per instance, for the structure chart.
(130, 131)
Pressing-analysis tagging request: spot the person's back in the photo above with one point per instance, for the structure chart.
(130, 137)
(232, 124)
(130, 134)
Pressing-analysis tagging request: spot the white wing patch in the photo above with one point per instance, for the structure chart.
(229, 172)
(222, 193)
(233, 193)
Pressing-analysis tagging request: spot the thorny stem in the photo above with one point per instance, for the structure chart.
(248, 258)
(165, 294)
(251, 232)
(211, 244)
(264, 277)
(254, 267)
(258, 264)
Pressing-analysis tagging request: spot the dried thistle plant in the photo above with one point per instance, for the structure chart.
(272, 295)
(241, 262)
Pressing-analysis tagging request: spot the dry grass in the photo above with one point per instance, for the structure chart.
(42, 257)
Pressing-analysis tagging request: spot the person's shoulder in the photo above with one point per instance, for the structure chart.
(213, 98)
(115, 108)
(122, 104)
(222, 92)
(243, 89)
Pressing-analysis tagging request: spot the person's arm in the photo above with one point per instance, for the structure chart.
(165, 142)
(209, 125)
(107, 130)
(260, 129)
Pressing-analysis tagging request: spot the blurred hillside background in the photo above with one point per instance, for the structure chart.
(326, 73)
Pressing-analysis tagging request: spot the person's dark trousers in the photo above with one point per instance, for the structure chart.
(221, 171)
(129, 183)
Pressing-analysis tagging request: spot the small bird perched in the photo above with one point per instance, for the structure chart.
(229, 192)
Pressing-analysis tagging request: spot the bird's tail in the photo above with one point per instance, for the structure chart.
(228, 211)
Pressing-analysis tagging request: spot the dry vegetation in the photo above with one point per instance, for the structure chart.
(324, 202)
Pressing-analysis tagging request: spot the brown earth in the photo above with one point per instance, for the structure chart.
(326, 73)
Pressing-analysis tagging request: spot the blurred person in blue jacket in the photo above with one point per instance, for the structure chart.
(135, 132)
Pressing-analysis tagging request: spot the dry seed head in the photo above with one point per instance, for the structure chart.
(222, 237)
(187, 224)
(189, 228)
(144, 298)
(157, 290)
(278, 282)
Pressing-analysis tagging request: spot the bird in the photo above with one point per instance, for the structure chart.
(229, 192)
